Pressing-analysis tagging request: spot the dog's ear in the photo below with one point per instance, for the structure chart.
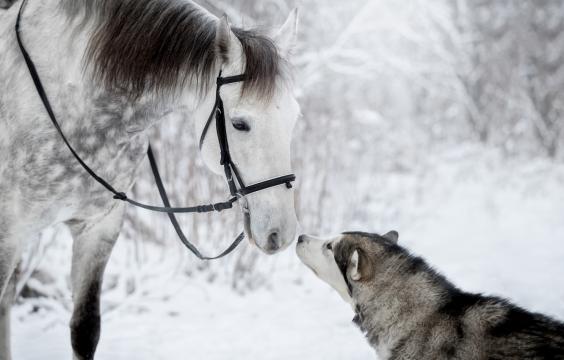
(360, 266)
(354, 269)
(393, 236)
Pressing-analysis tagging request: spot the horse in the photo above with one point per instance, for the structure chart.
(113, 69)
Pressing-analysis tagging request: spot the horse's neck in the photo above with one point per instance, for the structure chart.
(108, 131)
(58, 49)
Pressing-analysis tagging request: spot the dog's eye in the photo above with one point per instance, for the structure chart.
(240, 124)
(329, 246)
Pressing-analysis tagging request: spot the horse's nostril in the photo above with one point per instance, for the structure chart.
(274, 240)
(301, 239)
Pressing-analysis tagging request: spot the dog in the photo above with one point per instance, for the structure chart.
(409, 311)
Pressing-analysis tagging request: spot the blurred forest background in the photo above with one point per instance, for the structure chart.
(402, 101)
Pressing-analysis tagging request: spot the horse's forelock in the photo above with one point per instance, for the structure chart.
(160, 46)
(263, 62)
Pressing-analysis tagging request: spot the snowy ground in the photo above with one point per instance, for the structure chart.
(208, 322)
(490, 226)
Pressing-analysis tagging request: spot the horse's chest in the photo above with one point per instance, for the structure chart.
(116, 163)
(47, 181)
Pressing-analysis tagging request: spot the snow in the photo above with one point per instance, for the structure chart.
(491, 225)
(204, 321)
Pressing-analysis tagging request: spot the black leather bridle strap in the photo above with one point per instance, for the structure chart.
(174, 221)
(287, 180)
(208, 123)
(220, 82)
(230, 79)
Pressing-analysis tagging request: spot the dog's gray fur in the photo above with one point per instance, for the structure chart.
(409, 311)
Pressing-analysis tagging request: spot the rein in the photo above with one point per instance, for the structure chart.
(237, 189)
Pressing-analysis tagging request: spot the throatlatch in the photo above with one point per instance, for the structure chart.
(217, 113)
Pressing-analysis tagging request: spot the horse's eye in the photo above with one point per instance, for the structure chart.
(329, 246)
(240, 124)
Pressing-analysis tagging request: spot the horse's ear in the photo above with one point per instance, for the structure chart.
(287, 37)
(224, 39)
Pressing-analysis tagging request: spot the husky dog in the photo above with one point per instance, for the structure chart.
(409, 311)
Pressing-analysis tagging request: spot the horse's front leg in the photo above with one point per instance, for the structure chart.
(9, 256)
(94, 239)
(6, 300)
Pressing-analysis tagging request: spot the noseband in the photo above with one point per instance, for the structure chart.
(237, 189)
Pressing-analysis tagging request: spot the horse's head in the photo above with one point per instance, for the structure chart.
(178, 48)
(260, 116)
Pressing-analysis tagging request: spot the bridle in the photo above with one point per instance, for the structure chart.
(237, 187)
(226, 161)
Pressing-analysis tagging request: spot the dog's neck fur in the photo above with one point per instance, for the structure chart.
(393, 305)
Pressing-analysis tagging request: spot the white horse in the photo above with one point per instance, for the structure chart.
(112, 69)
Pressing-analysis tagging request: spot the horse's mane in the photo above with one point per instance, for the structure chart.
(161, 45)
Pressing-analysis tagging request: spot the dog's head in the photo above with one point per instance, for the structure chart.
(347, 261)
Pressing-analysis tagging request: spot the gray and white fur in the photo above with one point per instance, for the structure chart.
(409, 311)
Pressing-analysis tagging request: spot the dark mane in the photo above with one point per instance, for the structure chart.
(158, 46)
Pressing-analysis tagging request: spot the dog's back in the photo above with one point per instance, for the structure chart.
(409, 311)
(520, 334)
(471, 326)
